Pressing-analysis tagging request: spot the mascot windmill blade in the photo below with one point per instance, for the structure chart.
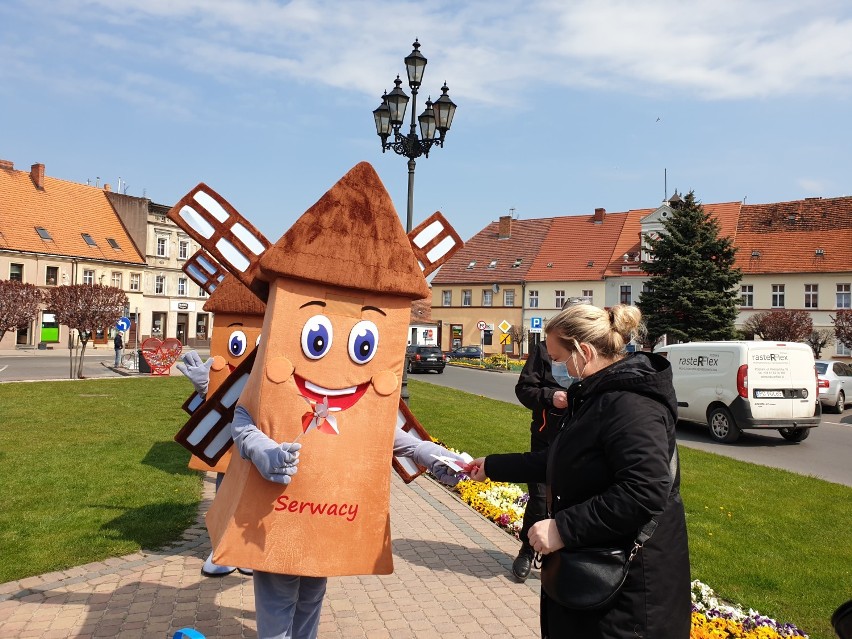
(230, 244)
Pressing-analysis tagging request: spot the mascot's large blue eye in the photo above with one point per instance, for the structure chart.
(363, 341)
(316, 336)
(237, 343)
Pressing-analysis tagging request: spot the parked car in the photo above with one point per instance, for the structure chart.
(834, 384)
(734, 385)
(465, 352)
(425, 358)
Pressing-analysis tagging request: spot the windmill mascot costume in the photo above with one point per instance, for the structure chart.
(316, 422)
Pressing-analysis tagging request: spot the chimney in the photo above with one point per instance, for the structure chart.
(505, 230)
(7, 164)
(599, 216)
(107, 188)
(37, 175)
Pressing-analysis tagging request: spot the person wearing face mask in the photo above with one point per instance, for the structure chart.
(611, 470)
(542, 388)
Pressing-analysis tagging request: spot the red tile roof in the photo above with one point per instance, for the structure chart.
(726, 214)
(628, 243)
(486, 246)
(573, 243)
(65, 210)
(787, 236)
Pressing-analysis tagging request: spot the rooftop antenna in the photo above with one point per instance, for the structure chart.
(512, 213)
(665, 186)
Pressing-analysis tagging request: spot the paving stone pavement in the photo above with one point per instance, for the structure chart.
(451, 580)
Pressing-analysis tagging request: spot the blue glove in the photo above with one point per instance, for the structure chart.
(407, 445)
(275, 462)
(196, 371)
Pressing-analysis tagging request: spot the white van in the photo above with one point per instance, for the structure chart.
(735, 385)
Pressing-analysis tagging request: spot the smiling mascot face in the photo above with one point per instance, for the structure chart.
(328, 371)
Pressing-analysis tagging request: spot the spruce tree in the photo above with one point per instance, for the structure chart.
(692, 290)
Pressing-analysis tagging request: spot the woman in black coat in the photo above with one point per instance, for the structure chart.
(608, 474)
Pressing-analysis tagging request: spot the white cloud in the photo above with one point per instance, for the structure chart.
(488, 52)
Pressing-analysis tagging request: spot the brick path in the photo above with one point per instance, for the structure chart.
(451, 580)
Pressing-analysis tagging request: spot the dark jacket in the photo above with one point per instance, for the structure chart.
(535, 389)
(118, 342)
(608, 474)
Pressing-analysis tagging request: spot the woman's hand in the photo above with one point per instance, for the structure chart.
(544, 537)
(476, 469)
(560, 399)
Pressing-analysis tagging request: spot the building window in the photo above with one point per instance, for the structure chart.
(43, 234)
(487, 296)
(533, 299)
(183, 249)
(116, 279)
(777, 296)
(201, 326)
(88, 239)
(844, 297)
(16, 272)
(113, 244)
(559, 300)
(843, 350)
(162, 247)
(135, 282)
(88, 277)
(446, 298)
(201, 292)
(747, 295)
(492, 264)
(181, 286)
(587, 293)
(49, 327)
(517, 262)
(51, 276)
(509, 297)
(626, 295)
(160, 285)
(466, 297)
(811, 295)
(472, 264)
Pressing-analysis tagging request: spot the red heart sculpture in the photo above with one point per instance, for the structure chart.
(161, 354)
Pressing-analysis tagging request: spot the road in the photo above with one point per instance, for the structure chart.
(29, 365)
(826, 453)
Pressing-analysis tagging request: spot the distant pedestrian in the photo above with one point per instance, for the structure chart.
(118, 342)
(542, 387)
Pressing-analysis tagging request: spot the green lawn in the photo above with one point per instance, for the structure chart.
(88, 470)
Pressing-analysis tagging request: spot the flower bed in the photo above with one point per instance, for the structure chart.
(712, 618)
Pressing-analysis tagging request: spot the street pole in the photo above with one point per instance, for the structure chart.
(437, 118)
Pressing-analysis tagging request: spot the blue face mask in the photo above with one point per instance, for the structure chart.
(560, 374)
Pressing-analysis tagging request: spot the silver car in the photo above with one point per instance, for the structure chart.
(834, 384)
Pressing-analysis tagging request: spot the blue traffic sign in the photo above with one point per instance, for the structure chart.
(535, 322)
(123, 324)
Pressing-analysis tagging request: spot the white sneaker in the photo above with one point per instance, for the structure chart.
(209, 569)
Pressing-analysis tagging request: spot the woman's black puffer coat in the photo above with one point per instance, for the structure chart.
(608, 474)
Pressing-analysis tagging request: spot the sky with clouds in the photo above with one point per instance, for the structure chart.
(563, 105)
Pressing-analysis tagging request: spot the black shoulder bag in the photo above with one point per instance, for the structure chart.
(590, 578)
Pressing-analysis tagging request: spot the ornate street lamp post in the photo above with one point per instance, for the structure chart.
(389, 117)
(437, 117)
